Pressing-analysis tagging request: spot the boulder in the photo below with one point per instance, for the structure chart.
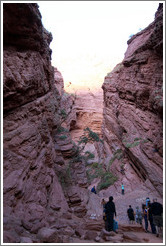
(47, 235)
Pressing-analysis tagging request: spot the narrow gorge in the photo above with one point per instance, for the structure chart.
(59, 140)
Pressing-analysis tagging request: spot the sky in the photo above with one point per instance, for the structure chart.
(90, 37)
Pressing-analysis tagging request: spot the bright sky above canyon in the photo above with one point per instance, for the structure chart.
(90, 37)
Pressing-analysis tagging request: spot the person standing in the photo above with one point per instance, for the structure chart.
(145, 216)
(122, 189)
(150, 218)
(130, 213)
(110, 211)
(157, 212)
(103, 203)
(147, 201)
(138, 216)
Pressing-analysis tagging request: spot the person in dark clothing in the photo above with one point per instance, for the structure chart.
(150, 218)
(110, 211)
(157, 212)
(130, 213)
(93, 189)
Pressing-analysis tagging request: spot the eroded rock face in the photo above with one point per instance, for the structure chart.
(31, 102)
(42, 203)
(44, 199)
(87, 111)
(133, 104)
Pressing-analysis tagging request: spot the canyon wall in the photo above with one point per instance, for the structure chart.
(133, 106)
(45, 196)
(35, 153)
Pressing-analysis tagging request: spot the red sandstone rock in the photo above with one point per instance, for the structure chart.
(32, 191)
(36, 203)
(86, 112)
(47, 235)
(133, 104)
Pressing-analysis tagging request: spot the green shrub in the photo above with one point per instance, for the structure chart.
(136, 139)
(63, 114)
(112, 160)
(61, 129)
(95, 170)
(106, 180)
(89, 136)
(89, 155)
(131, 145)
(76, 158)
(84, 140)
(62, 137)
(118, 154)
(95, 165)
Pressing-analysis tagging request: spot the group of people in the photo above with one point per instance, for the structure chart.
(151, 213)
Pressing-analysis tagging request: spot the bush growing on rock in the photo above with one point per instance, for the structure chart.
(96, 170)
(63, 114)
(118, 154)
(136, 142)
(62, 137)
(106, 180)
(88, 137)
(61, 129)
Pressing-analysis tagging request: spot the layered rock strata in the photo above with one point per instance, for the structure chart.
(34, 150)
(45, 199)
(133, 105)
(31, 103)
(87, 111)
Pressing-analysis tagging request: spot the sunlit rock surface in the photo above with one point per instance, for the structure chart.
(87, 111)
(88, 108)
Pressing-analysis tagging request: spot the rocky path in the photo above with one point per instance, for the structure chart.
(127, 232)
